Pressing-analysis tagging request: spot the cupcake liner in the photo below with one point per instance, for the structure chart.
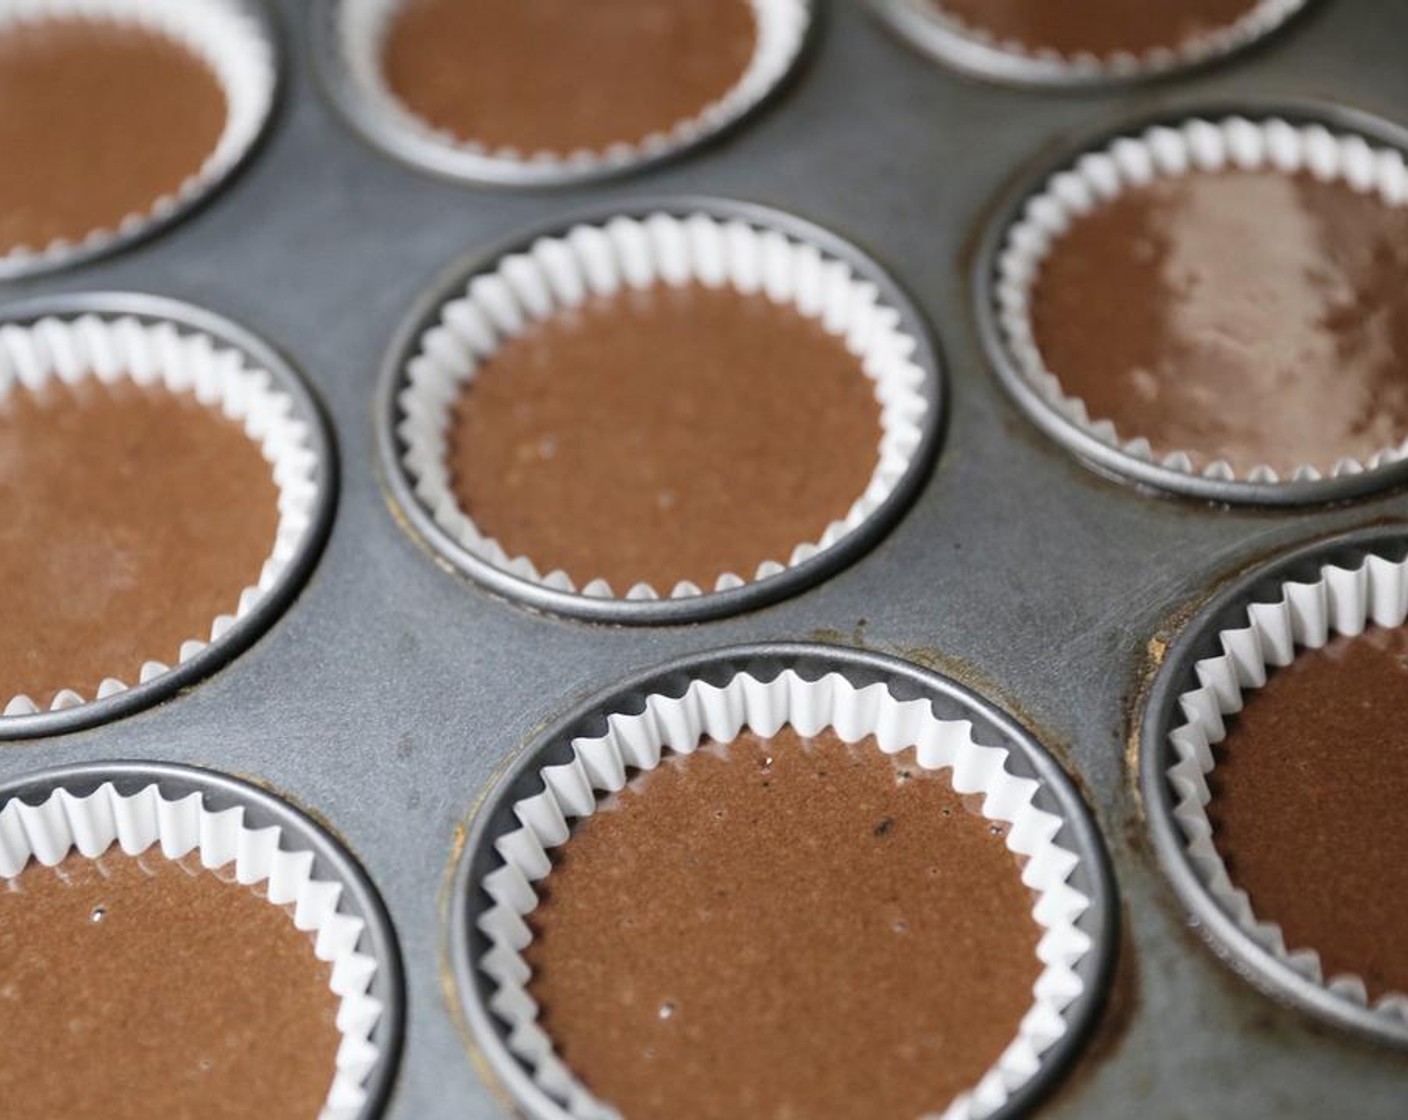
(146, 819)
(237, 47)
(559, 272)
(1336, 600)
(1164, 151)
(975, 49)
(114, 348)
(602, 763)
(358, 34)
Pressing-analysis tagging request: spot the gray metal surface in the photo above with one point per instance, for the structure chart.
(391, 691)
(299, 832)
(1227, 610)
(451, 284)
(949, 701)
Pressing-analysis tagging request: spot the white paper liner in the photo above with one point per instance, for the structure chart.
(625, 253)
(600, 765)
(1265, 18)
(1341, 601)
(90, 825)
(1196, 145)
(228, 40)
(362, 27)
(113, 349)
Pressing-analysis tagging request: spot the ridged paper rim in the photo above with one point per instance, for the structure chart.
(1302, 615)
(1086, 66)
(145, 820)
(678, 723)
(558, 272)
(359, 33)
(222, 34)
(112, 348)
(1196, 145)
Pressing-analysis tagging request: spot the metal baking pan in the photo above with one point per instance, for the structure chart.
(1199, 639)
(391, 690)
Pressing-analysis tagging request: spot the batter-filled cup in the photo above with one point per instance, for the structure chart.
(163, 956)
(1083, 42)
(1220, 300)
(542, 91)
(1286, 763)
(662, 408)
(118, 115)
(158, 487)
(781, 895)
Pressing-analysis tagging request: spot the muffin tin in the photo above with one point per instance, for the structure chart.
(1354, 555)
(347, 33)
(201, 815)
(159, 326)
(238, 32)
(977, 52)
(389, 693)
(653, 244)
(759, 686)
(1215, 136)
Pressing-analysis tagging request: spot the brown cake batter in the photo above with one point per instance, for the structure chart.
(98, 120)
(133, 988)
(666, 435)
(1307, 805)
(1098, 27)
(562, 75)
(1254, 317)
(784, 928)
(129, 519)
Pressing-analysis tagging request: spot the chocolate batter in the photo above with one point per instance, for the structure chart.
(666, 435)
(1253, 317)
(133, 988)
(784, 928)
(1307, 805)
(129, 519)
(98, 120)
(1098, 27)
(562, 75)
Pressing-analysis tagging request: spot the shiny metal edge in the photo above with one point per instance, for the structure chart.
(975, 58)
(446, 161)
(331, 860)
(665, 611)
(1198, 640)
(160, 309)
(1095, 453)
(45, 263)
(1094, 875)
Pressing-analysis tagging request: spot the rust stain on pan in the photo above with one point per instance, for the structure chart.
(1122, 1006)
(298, 803)
(1157, 647)
(966, 674)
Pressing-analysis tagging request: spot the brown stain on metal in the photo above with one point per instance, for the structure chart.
(975, 680)
(403, 522)
(1146, 671)
(1258, 1013)
(1117, 1017)
(1169, 630)
(316, 815)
